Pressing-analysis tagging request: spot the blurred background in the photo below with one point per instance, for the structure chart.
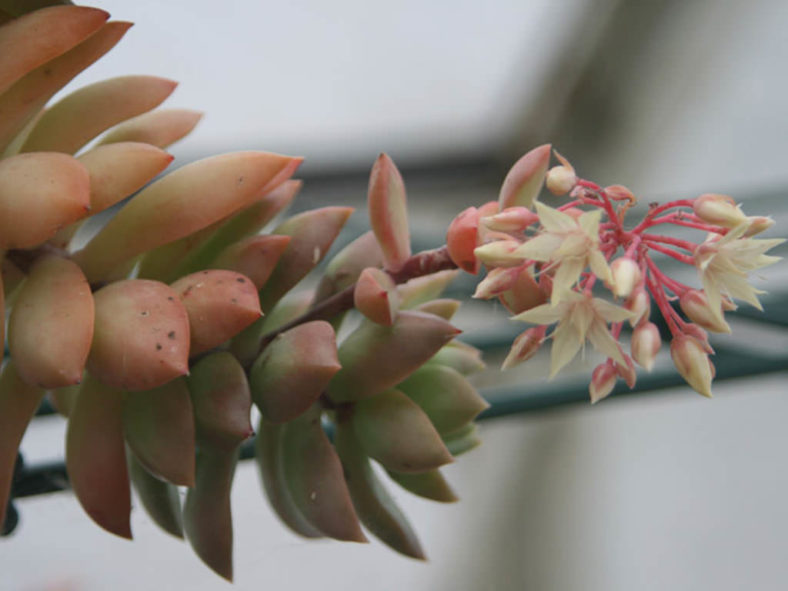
(671, 98)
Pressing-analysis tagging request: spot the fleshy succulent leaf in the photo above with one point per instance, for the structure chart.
(160, 128)
(39, 194)
(375, 358)
(96, 457)
(50, 328)
(291, 373)
(219, 304)
(181, 203)
(158, 425)
(312, 234)
(53, 31)
(81, 116)
(28, 95)
(141, 335)
(392, 429)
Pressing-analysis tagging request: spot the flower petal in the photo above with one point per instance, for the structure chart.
(565, 278)
(589, 222)
(604, 342)
(611, 312)
(543, 314)
(565, 347)
(599, 266)
(538, 248)
(554, 220)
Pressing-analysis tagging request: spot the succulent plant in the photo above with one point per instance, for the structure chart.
(157, 335)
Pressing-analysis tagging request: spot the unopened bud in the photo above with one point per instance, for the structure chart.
(639, 303)
(695, 305)
(574, 212)
(497, 281)
(627, 371)
(757, 225)
(525, 293)
(645, 344)
(603, 380)
(525, 346)
(499, 253)
(717, 209)
(700, 335)
(728, 305)
(511, 219)
(626, 276)
(462, 238)
(692, 362)
(560, 180)
(620, 193)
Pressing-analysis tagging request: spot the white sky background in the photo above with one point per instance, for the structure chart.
(338, 81)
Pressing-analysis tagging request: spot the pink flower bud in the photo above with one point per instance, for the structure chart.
(525, 346)
(511, 219)
(645, 344)
(700, 335)
(627, 371)
(497, 281)
(757, 225)
(575, 212)
(499, 253)
(524, 294)
(620, 193)
(695, 305)
(462, 237)
(603, 380)
(728, 305)
(692, 362)
(560, 180)
(639, 303)
(717, 209)
(626, 276)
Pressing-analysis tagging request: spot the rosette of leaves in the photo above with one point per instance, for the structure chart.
(155, 334)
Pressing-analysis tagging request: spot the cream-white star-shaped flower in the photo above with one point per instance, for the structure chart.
(580, 317)
(570, 245)
(725, 263)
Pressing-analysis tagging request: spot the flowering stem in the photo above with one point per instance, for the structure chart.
(685, 244)
(654, 211)
(671, 253)
(675, 286)
(657, 292)
(603, 201)
(677, 221)
(633, 246)
(571, 204)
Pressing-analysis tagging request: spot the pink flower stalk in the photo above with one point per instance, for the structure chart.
(575, 251)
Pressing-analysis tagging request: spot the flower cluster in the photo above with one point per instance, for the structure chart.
(548, 267)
